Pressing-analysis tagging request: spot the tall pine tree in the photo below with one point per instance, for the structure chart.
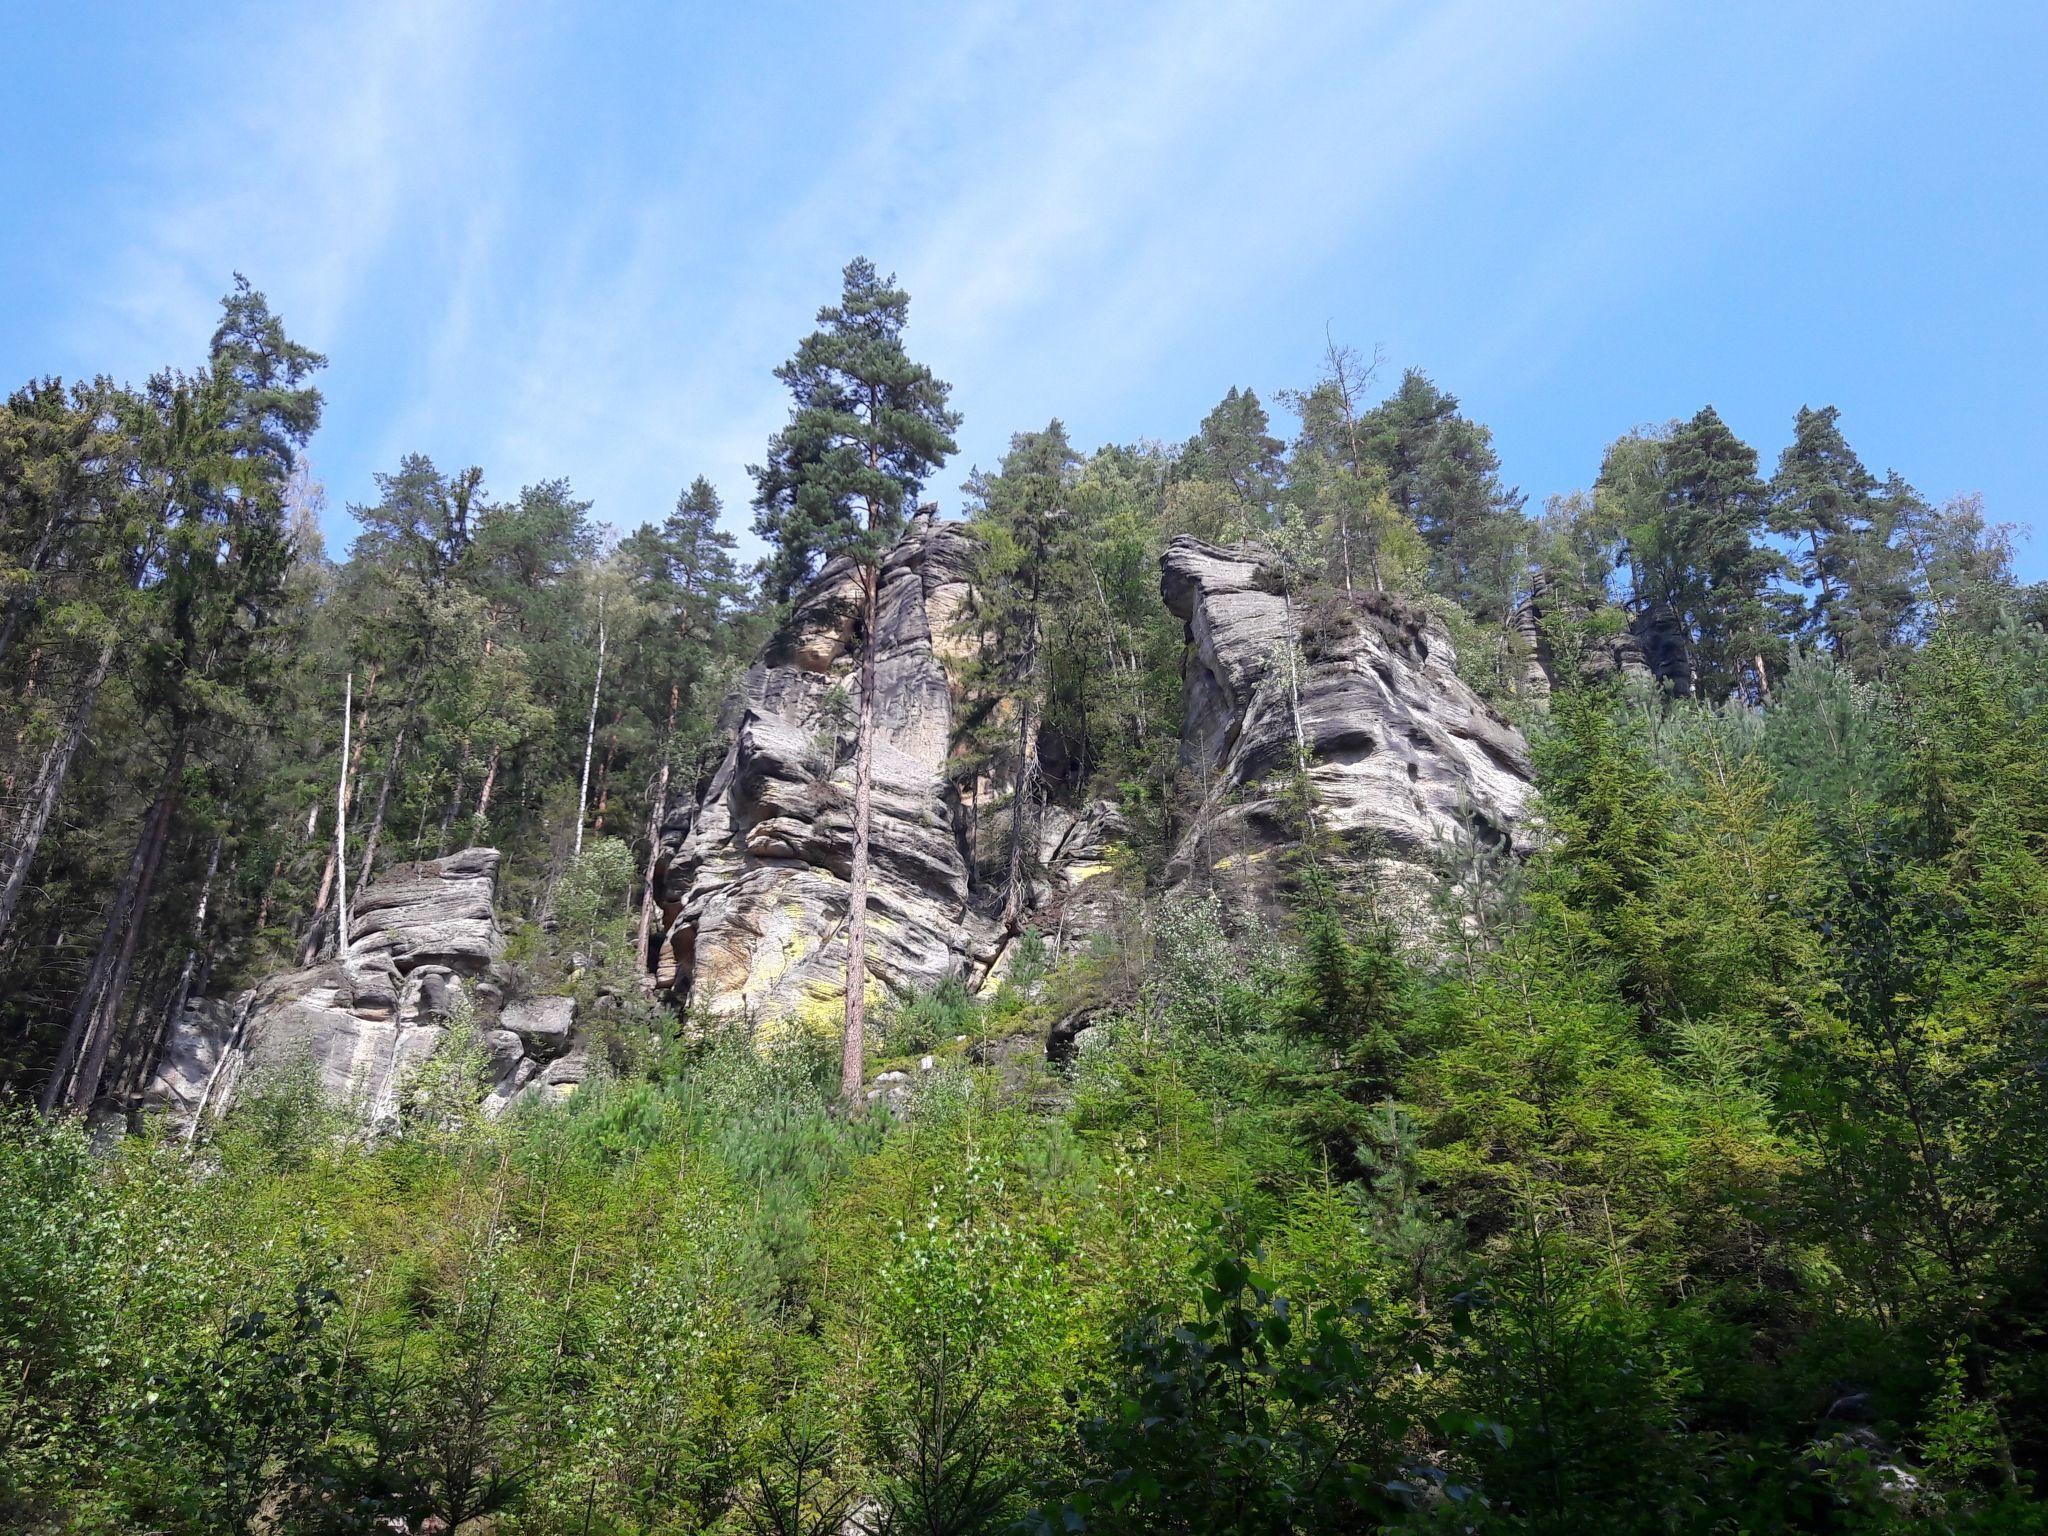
(866, 426)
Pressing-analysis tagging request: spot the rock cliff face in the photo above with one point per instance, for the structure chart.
(1651, 650)
(1405, 762)
(421, 936)
(752, 876)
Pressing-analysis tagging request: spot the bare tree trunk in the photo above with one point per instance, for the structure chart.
(604, 772)
(146, 1056)
(341, 824)
(377, 819)
(483, 799)
(590, 734)
(654, 820)
(454, 804)
(351, 763)
(49, 783)
(1027, 762)
(101, 1040)
(853, 1049)
(90, 1035)
(230, 1048)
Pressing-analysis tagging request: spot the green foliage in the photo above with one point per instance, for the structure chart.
(1248, 1416)
(596, 886)
(866, 426)
(926, 1020)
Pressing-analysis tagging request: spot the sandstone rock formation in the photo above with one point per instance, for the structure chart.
(421, 936)
(1650, 650)
(752, 876)
(1405, 762)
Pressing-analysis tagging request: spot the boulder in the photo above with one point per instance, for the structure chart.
(420, 936)
(543, 1024)
(437, 912)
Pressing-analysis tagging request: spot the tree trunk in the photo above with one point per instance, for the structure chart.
(49, 783)
(604, 772)
(483, 799)
(146, 1057)
(590, 734)
(91, 1031)
(351, 761)
(377, 818)
(853, 1049)
(1027, 761)
(654, 820)
(101, 1038)
(21, 602)
(341, 824)
(454, 804)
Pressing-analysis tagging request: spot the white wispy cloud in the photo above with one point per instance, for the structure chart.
(1063, 200)
(309, 136)
(1076, 195)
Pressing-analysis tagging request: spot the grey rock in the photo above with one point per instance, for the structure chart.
(362, 1024)
(505, 1049)
(544, 1024)
(1405, 761)
(437, 912)
(196, 1048)
(1651, 650)
(752, 875)
(509, 1089)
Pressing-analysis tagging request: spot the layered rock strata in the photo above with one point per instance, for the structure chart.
(1650, 650)
(752, 875)
(423, 938)
(1405, 765)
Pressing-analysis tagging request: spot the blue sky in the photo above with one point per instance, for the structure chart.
(574, 240)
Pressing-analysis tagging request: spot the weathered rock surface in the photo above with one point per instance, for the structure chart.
(1651, 650)
(752, 876)
(1406, 763)
(421, 937)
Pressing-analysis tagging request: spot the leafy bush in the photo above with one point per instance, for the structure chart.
(926, 1020)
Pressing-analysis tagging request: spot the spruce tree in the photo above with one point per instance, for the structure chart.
(1713, 506)
(218, 449)
(1236, 448)
(1443, 475)
(866, 426)
(1019, 513)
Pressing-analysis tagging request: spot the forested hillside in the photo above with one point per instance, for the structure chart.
(1640, 1127)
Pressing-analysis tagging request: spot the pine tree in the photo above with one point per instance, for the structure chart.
(1842, 523)
(1236, 448)
(1689, 506)
(687, 572)
(1443, 476)
(866, 426)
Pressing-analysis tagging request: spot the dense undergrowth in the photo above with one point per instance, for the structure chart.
(1688, 1184)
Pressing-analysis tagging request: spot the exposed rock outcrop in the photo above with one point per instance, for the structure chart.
(421, 938)
(752, 876)
(1650, 649)
(1404, 761)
